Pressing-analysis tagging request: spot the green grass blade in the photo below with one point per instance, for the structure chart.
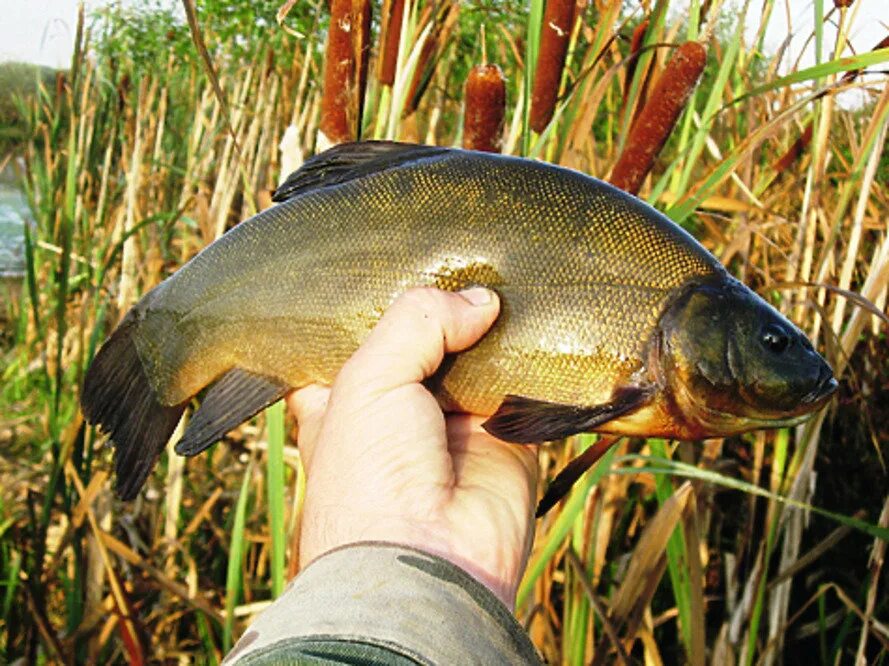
(656, 466)
(677, 566)
(14, 567)
(535, 22)
(652, 35)
(692, 198)
(274, 418)
(711, 107)
(780, 460)
(564, 522)
(206, 634)
(233, 578)
(816, 72)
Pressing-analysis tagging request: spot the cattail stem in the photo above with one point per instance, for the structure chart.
(658, 116)
(485, 109)
(345, 69)
(558, 15)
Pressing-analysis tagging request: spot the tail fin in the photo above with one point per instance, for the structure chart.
(119, 399)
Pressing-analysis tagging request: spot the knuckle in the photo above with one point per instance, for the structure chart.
(426, 300)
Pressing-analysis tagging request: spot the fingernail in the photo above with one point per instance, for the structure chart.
(477, 295)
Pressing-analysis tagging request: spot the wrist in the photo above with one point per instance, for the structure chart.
(498, 569)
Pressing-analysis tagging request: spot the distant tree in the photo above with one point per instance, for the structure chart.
(19, 83)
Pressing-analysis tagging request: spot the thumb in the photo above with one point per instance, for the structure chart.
(418, 329)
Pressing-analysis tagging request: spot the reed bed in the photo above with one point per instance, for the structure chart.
(756, 549)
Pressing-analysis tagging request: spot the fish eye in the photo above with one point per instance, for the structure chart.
(774, 337)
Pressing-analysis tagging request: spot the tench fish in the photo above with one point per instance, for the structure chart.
(613, 318)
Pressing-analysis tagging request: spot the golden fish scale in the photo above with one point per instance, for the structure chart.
(583, 271)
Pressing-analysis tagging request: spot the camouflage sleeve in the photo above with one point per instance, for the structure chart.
(375, 603)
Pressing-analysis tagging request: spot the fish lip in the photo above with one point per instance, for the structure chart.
(826, 387)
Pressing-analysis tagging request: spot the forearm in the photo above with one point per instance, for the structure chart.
(389, 604)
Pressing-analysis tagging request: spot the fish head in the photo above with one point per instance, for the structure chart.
(732, 363)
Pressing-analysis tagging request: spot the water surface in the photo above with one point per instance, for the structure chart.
(13, 213)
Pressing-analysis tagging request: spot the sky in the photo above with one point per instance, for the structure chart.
(42, 31)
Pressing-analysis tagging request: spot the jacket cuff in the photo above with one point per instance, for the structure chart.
(386, 597)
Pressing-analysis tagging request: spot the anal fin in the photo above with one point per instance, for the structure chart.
(235, 397)
(528, 421)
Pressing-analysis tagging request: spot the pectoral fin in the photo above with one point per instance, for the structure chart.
(236, 397)
(527, 421)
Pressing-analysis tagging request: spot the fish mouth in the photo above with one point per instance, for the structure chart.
(826, 387)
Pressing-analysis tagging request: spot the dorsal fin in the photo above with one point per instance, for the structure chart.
(348, 161)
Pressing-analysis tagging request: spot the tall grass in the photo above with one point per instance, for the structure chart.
(133, 164)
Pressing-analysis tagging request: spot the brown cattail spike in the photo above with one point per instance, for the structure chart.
(558, 16)
(485, 110)
(345, 69)
(839, 4)
(787, 159)
(393, 15)
(658, 116)
(635, 46)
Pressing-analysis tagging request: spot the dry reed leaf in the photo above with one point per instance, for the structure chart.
(717, 203)
(189, 596)
(697, 649)
(203, 513)
(173, 487)
(877, 557)
(651, 651)
(284, 10)
(646, 567)
(97, 482)
(127, 627)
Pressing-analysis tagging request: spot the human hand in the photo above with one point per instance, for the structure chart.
(383, 462)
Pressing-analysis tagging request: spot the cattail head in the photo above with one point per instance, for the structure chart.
(796, 149)
(345, 69)
(390, 36)
(558, 18)
(657, 118)
(633, 60)
(485, 108)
